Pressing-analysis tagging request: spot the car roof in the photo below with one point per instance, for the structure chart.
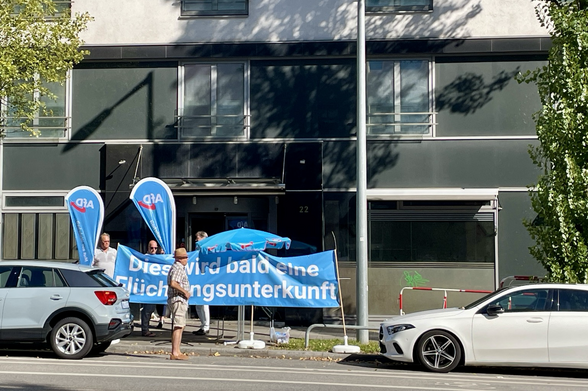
(546, 285)
(54, 264)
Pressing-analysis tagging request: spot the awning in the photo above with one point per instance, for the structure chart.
(444, 194)
(225, 186)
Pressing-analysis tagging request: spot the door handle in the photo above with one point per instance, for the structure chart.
(56, 297)
(535, 320)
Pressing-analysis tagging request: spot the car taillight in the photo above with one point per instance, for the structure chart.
(106, 297)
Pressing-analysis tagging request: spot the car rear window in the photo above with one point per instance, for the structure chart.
(103, 278)
(94, 278)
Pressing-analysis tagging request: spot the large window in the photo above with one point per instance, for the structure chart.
(431, 232)
(214, 7)
(398, 97)
(213, 101)
(398, 5)
(52, 121)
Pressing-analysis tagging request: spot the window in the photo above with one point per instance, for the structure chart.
(573, 300)
(50, 122)
(34, 201)
(39, 277)
(61, 7)
(77, 279)
(213, 101)
(398, 5)
(5, 272)
(522, 301)
(214, 7)
(441, 235)
(398, 97)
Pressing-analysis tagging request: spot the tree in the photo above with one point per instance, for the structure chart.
(39, 44)
(560, 197)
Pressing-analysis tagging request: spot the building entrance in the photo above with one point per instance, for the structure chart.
(213, 223)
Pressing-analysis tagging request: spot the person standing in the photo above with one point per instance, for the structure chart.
(178, 293)
(105, 256)
(148, 309)
(203, 311)
(161, 308)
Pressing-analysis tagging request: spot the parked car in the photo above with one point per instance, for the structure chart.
(538, 325)
(75, 309)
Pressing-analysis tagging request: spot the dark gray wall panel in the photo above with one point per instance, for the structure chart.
(50, 166)
(432, 163)
(317, 48)
(121, 102)
(466, 163)
(482, 98)
(513, 238)
(202, 160)
(303, 98)
(304, 166)
(339, 164)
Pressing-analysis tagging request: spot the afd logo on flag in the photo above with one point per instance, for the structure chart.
(149, 201)
(80, 204)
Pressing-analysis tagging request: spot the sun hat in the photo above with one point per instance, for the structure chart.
(180, 253)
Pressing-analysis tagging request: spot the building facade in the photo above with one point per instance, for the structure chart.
(247, 109)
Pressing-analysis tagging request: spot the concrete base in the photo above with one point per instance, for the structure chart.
(251, 344)
(349, 349)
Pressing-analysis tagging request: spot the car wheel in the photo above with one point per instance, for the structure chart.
(100, 347)
(438, 351)
(71, 338)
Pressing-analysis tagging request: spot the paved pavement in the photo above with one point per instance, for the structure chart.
(223, 340)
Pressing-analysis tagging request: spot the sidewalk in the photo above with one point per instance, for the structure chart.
(223, 340)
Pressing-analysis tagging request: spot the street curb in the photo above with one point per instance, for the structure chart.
(221, 350)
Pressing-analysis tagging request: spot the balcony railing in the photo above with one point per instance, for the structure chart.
(49, 127)
(213, 126)
(401, 123)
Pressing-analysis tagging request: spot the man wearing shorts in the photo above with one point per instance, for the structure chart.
(178, 293)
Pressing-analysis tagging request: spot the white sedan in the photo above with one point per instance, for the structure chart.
(533, 325)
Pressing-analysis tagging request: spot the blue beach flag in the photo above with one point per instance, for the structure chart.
(155, 202)
(86, 210)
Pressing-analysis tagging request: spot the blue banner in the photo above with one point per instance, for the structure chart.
(86, 210)
(155, 202)
(234, 278)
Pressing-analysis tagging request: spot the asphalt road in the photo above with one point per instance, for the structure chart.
(41, 372)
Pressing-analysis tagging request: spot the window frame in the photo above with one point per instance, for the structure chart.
(207, 13)
(29, 209)
(399, 212)
(394, 9)
(397, 98)
(181, 101)
(18, 135)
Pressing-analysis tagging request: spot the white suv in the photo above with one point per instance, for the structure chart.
(76, 309)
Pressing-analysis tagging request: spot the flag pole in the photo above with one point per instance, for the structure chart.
(345, 348)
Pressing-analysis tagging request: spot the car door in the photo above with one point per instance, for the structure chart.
(5, 284)
(40, 291)
(517, 335)
(568, 327)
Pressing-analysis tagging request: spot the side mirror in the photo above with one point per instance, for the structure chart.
(494, 309)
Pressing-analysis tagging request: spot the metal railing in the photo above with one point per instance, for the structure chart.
(444, 290)
(201, 126)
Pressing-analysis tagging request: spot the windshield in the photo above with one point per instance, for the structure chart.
(482, 299)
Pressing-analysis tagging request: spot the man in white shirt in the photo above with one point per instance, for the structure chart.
(203, 311)
(105, 256)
